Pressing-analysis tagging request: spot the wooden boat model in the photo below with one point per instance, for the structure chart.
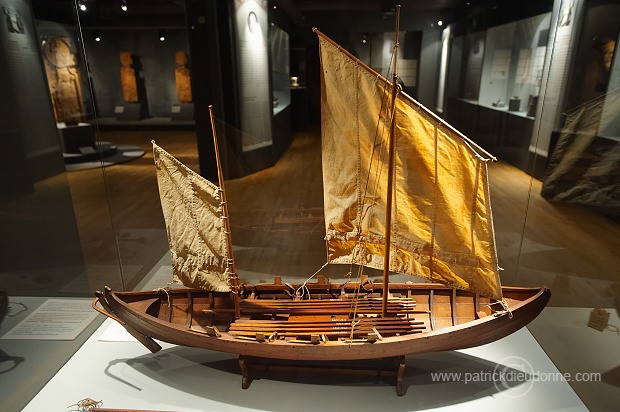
(331, 324)
(387, 163)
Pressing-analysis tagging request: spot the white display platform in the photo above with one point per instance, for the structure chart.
(126, 375)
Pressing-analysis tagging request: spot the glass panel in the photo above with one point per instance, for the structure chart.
(541, 94)
(79, 205)
(572, 234)
(57, 244)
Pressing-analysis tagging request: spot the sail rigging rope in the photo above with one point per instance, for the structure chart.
(505, 305)
(303, 288)
(165, 290)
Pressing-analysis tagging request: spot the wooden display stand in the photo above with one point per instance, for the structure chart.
(251, 367)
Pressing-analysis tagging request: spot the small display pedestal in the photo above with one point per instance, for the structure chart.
(252, 367)
(74, 137)
(129, 111)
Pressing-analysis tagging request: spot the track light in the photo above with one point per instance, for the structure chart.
(96, 36)
(124, 5)
(82, 6)
(162, 35)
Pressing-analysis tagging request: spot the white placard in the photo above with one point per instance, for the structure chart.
(55, 319)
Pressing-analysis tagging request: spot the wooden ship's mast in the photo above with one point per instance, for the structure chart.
(388, 206)
(229, 249)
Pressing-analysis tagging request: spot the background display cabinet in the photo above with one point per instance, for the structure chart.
(499, 73)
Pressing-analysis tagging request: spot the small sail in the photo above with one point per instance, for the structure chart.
(194, 218)
(441, 226)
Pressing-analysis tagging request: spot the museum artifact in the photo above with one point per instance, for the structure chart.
(388, 162)
(128, 78)
(182, 78)
(64, 80)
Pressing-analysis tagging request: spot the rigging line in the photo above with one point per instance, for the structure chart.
(378, 133)
(303, 285)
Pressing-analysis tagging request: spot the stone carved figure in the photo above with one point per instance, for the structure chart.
(64, 80)
(128, 78)
(597, 72)
(182, 76)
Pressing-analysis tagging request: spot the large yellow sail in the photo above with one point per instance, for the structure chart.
(193, 212)
(441, 227)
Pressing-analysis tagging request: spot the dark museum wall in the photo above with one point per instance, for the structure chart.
(39, 241)
(155, 58)
(28, 129)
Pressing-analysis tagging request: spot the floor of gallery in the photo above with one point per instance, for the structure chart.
(568, 248)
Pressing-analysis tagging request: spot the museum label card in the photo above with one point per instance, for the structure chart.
(55, 319)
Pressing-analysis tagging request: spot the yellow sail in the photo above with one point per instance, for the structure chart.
(195, 226)
(442, 228)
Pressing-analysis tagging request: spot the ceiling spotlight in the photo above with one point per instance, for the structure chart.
(440, 23)
(162, 35)
(124, 5)
(96, 36)
(82, 6)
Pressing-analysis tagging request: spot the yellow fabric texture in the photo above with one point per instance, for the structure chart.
(194, 223)
(441, 219)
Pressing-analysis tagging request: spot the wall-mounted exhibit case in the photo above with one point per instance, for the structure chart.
(499, 74)
(554, 115)
(252, 49)
(263, 90)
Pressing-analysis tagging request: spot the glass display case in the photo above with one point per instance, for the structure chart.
(500, 71)
(80, 209)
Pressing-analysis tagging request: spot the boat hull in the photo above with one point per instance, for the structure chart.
(272, 326)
